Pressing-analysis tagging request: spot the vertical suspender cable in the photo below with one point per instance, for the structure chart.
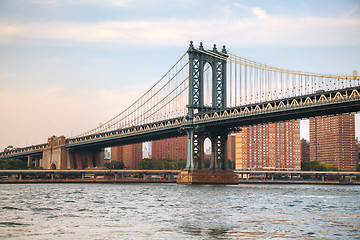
(245, 81)
(235, 73)
(251, 84)
(241, 94)
(231, 83)
(256, 84)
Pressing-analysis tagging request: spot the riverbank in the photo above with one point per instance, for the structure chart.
(16, 181)
(297, 182)
(34, 181)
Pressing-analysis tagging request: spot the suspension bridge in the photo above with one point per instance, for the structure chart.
(205, 94)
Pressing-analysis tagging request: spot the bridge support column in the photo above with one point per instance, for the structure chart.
(37, 162)
(195, 172)
(29, 161)
(219, 151)
(71, 163)
(195, 149)
(89, 160)
(214, 156)
(78, 160)
(223, 153)
(190, 149)
(218, 173)
(199, 150)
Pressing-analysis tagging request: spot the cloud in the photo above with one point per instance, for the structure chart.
(259, 13)
(262, 29)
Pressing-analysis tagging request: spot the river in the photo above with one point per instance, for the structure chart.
(170, 211)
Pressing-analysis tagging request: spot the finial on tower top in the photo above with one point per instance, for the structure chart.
(214, 49)
(191, 44)
(224, 49)
(201, 46)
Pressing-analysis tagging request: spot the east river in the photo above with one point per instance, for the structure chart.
(170, 211)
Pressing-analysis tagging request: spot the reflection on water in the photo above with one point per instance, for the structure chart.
(170, 211)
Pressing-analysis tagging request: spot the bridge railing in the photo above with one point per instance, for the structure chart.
(25, 150)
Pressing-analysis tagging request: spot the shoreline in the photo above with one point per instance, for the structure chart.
(35, 181)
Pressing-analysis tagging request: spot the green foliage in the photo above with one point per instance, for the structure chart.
(114, 165)
(13, 164)
(146, 164)
(170, 164)
(317, 166)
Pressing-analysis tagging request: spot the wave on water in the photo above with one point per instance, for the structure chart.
(12, 224)
(12, 208)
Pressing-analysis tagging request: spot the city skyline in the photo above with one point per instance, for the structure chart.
(67, 66)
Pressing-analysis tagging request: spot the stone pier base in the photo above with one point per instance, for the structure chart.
(207, 176)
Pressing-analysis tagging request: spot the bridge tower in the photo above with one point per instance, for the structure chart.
(197, 60)
(195, 171)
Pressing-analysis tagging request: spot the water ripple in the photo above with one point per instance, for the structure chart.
(170, 211)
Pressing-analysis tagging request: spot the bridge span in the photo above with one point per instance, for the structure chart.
(207, 95)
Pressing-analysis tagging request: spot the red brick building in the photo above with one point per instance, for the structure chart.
(358, 151)
(332, 141)
(170, 148)
(231, 147)
(269, 146)
(130, 154)
(304, 150)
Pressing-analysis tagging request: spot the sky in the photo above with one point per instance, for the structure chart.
(68, 65)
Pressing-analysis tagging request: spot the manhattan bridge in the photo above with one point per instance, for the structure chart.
(205, 94)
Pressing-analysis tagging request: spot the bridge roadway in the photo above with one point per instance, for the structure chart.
(318, 104)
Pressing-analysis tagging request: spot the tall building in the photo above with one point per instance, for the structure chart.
(170, 148)
(107, 155)
(269, 146)
(117, 153)
(358, 152)
(146, 149)
(332, 141)
(130, 154)
(231, 147)
(304, 150)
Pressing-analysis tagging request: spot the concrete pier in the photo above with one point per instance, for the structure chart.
(207, 176)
